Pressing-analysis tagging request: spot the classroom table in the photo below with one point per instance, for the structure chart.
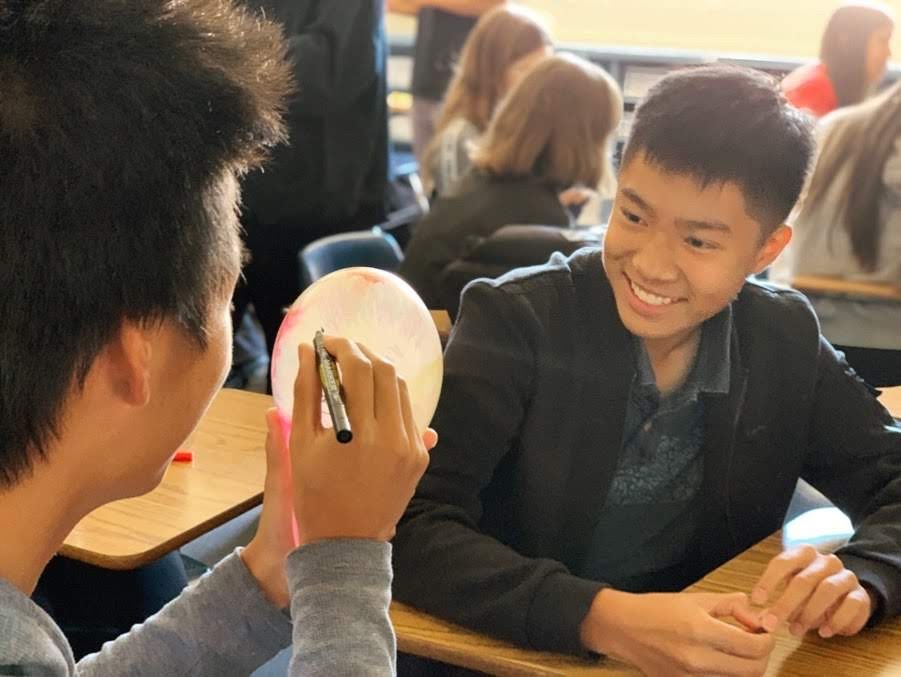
(814, 285)
(875, 652)
(891, 400)
(224, 480)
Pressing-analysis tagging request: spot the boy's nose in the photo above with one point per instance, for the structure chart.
(655, 261)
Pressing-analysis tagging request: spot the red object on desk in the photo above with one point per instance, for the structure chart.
(183, 456)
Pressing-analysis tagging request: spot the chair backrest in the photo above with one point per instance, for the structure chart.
(372, 248)
(508, 248)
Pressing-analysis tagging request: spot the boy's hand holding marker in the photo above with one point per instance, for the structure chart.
(318, 488)
(359, 489)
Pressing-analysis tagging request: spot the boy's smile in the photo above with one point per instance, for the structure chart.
(646, 302)
(677, 253)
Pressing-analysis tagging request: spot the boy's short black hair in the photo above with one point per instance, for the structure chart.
(123, 127)
(723, 124)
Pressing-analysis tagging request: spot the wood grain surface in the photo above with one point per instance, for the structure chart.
(224, 480)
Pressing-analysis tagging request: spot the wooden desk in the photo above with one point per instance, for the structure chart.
(875, 652)
(891, 400)
(443, 324)
(224, 480)
(816, 284)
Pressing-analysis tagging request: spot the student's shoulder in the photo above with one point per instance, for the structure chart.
(29, 637)
(776, 307)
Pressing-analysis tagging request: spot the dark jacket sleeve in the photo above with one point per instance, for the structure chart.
(444, 563)
(855, 460)
(336, 55)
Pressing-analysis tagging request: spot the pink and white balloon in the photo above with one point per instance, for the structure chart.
(375, 308)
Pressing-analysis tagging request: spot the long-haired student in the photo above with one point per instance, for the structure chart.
(854, 51)
(849, 226)
(551, 133)
(504, 44)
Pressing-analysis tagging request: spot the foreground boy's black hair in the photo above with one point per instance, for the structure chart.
(123, 126)
(722, 124)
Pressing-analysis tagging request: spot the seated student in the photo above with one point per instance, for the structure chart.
(618, 423)
(442, 27)
(853, 54)
(849, 226)
(551, 133)
(119, 251)
(505, 43)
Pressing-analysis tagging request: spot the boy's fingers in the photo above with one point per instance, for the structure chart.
(740, 609)
(830, 592)
(356, 380)
(735, 605)
(430, 438)
(275, 440)
(307, 416)
(803, 585)
(386, 406)
(781, 568)
(413, 435)
(738, 642)
(850, 616)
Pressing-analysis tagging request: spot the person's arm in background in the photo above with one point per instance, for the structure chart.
(336, 57)
(451, 161)
(462, 7)
(854, 458)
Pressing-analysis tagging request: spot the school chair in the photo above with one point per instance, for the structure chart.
(510, 247)
(879, 367)
(372, 248)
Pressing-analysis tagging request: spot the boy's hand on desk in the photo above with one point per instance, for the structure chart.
(359, 489)
(819, 594)
(678, 633)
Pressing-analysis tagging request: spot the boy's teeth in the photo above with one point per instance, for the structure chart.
(648, 297)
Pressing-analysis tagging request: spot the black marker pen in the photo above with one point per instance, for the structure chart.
(328, 376)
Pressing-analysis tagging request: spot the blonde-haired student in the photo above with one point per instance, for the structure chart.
(502, 47)
(442, 27)
(551, 133)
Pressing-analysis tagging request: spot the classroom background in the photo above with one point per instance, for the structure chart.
(760, 27)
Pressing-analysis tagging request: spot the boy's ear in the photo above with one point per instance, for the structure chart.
(126, 362)
(772, 247)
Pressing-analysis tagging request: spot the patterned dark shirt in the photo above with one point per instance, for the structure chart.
(652, 511)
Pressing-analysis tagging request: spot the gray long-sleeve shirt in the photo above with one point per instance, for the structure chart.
(223, 625)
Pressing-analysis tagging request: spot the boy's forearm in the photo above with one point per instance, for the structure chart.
(340, 595)
(222, 624)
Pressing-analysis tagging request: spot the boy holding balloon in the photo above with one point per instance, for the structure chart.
(120, 151)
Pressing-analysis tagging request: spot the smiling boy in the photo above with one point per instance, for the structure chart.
(618, 423)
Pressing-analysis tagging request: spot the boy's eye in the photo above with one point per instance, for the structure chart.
(697, 243)
(632, 217)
